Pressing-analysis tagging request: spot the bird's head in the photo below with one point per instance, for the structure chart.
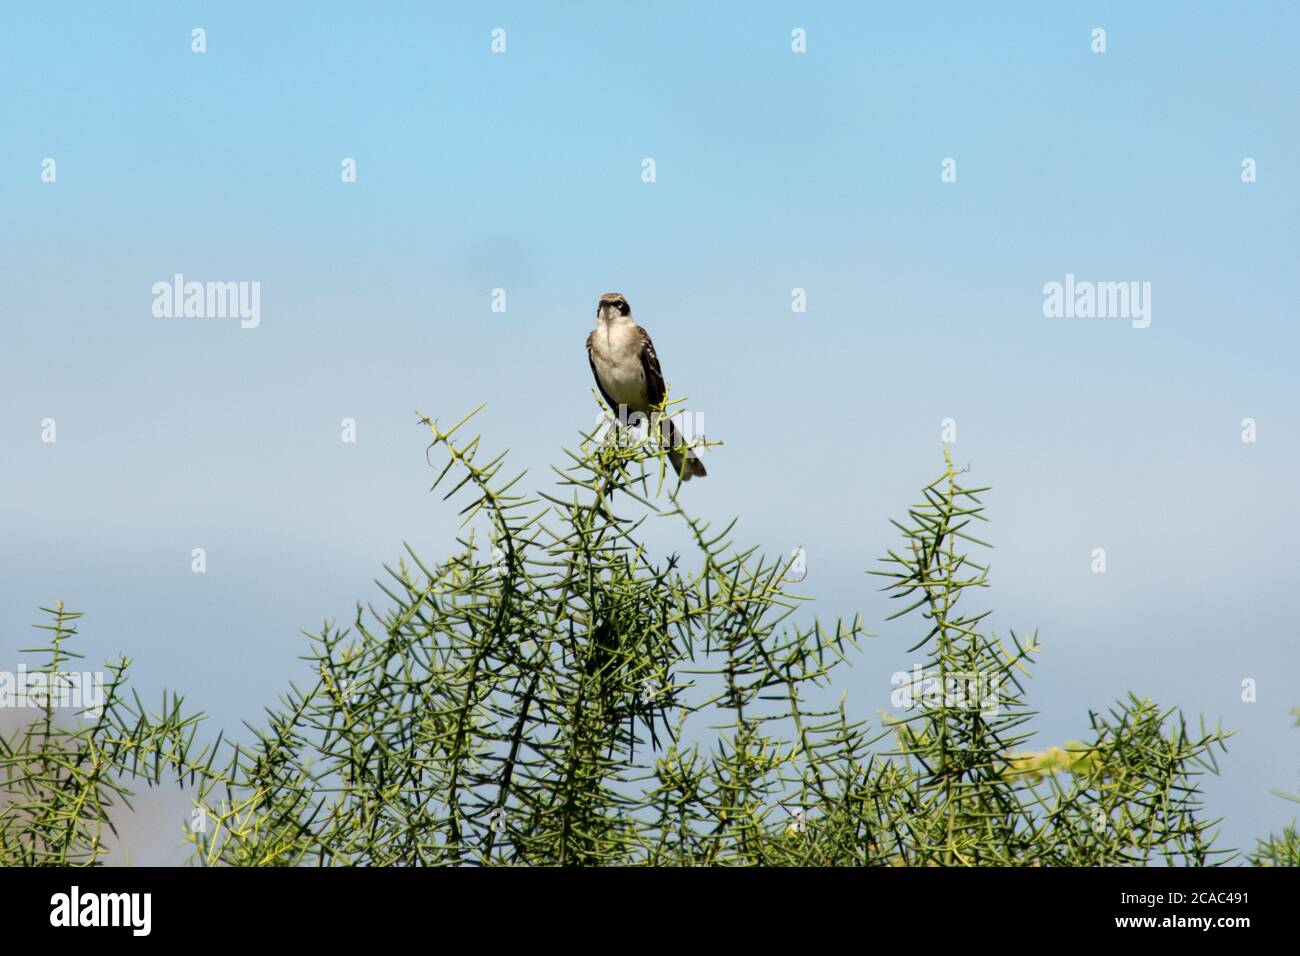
(612, 305)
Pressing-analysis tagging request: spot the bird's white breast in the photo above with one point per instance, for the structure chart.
(617, 350)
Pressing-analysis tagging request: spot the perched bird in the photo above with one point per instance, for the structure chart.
(627, 373)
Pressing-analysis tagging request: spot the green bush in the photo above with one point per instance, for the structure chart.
(562, 696)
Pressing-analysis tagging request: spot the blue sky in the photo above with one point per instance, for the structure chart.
(774, 170)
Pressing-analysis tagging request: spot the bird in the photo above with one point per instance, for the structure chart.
(627, 372)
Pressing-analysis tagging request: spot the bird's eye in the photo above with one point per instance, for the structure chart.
(623, 307)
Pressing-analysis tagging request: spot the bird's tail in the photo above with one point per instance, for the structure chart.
(681, 456)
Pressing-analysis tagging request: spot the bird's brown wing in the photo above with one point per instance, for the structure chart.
(592, 362)
(684, 461)
(654, 376)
